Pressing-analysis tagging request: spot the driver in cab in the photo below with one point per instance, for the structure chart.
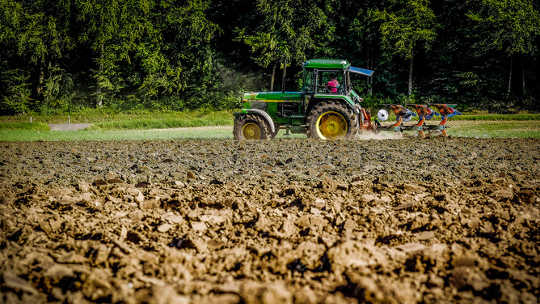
(333, 84)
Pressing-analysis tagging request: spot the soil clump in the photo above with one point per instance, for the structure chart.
(281, 221)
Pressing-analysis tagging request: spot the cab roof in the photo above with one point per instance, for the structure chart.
(327, 64)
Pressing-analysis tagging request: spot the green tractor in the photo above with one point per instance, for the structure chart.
(327, 107)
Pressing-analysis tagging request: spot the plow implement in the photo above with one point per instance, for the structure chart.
(424, 112)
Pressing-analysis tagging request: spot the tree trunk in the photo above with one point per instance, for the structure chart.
(284, 76)
(273, 77)
(411, 74)
(510, 76)
(369, 79)
(523, 87)
(40, 84)
(99, 96)
(370, 86)
(39, 81)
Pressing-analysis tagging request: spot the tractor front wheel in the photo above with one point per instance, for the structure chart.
(250, 126)
(331, 120)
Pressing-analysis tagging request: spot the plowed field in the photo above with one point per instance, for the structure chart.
(282, 221)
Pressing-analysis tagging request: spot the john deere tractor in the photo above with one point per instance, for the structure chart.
(327, 107)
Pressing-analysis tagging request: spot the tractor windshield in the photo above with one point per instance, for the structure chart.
(331, 81)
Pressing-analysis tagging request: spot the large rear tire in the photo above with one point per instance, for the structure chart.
(250, 126)
(275, 131)
(331, 120)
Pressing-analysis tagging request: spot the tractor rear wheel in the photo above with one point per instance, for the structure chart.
(276, 130)
(331, 120)
(250, 126)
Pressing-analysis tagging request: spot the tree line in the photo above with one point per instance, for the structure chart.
(60, 55)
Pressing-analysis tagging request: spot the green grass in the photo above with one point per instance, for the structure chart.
(105, 116)
(480, 129)
(491, 129)
(35, 126)
(143, 119)
(99, 135)
(146, 125)
(497, 117)
(128, 120)
(210, 119)
(495, 129)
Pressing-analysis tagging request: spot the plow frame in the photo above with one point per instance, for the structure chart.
(424, 112)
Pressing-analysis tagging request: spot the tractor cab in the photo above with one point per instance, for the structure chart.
(319, 75)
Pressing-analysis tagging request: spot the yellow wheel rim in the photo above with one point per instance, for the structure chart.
(251, 130)
(332, 125)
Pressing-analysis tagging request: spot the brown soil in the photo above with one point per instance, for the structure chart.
(283, 221)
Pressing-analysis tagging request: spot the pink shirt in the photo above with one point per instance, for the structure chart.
(333, 85)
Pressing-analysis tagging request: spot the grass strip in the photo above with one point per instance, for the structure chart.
(497, 117)
(479, 129)
(35, 126)
(144, 119)
(495, 129)
(162, 123)
(116, 135)
(103, 115)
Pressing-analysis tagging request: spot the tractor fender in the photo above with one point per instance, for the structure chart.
(351, 107)
(264, 115)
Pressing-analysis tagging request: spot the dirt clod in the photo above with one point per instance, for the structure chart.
(283, 221)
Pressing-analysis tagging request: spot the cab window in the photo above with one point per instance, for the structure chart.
(309, 80)
(331, 82)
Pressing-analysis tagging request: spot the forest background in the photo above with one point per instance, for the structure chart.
(70, 55)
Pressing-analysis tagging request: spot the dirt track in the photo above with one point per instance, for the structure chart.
(69, 127)
(402, 221)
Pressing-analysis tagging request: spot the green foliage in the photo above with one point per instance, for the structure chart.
(511, 26)
(406, 25)
(16, 90)
(58, 89)
(271, 42)
(149, 49)
(31, 33)
(58, 56)
(287, 32)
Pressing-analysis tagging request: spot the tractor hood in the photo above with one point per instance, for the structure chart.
(361, 71)
(272, 96)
